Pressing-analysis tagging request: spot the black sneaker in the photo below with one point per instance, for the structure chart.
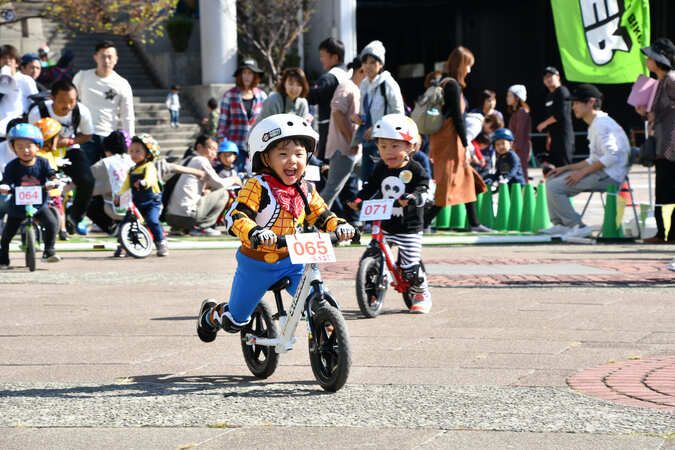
(205, 331)
(63, 235)
(71, 225)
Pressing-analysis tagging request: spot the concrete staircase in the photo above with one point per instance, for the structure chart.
(151, 113)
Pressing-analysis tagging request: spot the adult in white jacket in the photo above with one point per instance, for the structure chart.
(380, 95)
(606, 165)
(108, 96)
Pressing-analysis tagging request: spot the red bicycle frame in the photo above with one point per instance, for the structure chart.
(378, 242)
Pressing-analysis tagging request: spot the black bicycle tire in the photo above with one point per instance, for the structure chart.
(332, 349)
(260, 368)
(131, 250)
(30, 247)
(365, 271)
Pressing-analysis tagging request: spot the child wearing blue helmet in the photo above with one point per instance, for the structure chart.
(507, 165)
(227, 154)
(28, 169)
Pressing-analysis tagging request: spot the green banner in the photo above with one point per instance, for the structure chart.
(600, 40)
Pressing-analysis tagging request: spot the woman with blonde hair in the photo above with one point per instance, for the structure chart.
(456, 182)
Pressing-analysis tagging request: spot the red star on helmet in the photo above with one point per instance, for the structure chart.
(406, 137)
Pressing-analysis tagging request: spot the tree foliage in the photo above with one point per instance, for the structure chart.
(270, 27)
(135, 18)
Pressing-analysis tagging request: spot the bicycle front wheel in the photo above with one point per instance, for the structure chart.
(30, 244)
(261, 360)
(370, 286)
(329, 348)
(135, 239)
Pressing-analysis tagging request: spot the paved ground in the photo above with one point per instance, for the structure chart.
(97, 352)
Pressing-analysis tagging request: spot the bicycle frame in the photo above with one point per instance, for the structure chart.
(378, 244)
(309, 288)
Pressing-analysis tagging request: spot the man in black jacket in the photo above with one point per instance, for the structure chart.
(559, 120)
(331, 55)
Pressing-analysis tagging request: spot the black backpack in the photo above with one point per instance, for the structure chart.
(169, 187)
(44, 112)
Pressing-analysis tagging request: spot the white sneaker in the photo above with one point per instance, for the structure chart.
(579, 231)
(671, 265)
(555, 230)
(4, 266)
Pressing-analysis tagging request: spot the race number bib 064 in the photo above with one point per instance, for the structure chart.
(376, 209)
(28, 195)
(307, 248)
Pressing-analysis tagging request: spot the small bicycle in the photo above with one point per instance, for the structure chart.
(376, 267)
(132, 235)
(30, 230)
(328, 338)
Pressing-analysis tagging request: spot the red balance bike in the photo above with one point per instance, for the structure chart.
(377, 270)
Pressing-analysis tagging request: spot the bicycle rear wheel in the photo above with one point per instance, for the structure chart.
(261, 360)
(329, 348)
(370, 286)
(30, 244)
(135, 239)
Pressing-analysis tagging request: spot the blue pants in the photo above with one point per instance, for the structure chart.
(252, 278)
(174, 115)
(150, 210)
(371, 156)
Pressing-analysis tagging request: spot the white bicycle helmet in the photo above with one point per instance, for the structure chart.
(397, 126)
(276, 128)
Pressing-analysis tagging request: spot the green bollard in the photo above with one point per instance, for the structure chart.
(527, 219)
(486, 213)
(516, 211)
(443, 218)
(610, 229)
(503, 206)
(541, 218)
(458, 217)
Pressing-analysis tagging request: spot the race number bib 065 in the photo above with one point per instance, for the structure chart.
(307, 248)
(28, 195)
(376, 209)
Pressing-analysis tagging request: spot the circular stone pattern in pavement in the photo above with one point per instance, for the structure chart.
(649, 383)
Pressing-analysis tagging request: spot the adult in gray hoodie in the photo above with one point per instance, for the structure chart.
(380, 95)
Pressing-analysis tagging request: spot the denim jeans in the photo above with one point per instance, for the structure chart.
(175, 115)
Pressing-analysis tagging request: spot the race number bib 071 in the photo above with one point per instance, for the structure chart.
(28, 195)
(376, 209)
(307, 248)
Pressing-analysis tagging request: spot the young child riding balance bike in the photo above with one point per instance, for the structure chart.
(275, 202)
(398, 177)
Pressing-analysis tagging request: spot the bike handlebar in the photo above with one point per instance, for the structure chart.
(281, 240)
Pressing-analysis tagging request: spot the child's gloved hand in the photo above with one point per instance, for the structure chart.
(406, 199)
(264, 237)
(345, 232)
(52, 184)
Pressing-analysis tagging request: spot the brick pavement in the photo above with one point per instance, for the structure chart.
(627, 272)
(648, 383)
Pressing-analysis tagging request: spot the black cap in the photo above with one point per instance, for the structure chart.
(551, 69)
(249, 64)
(661, 51)
(585, 91)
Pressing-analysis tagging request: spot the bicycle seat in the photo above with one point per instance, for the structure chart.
(280, 285)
